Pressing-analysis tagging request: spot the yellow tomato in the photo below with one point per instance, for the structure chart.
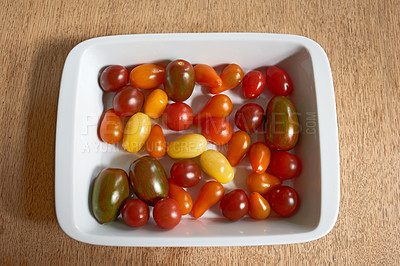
(136, 132)
(155, 103)
(217, 166)
(187, 146)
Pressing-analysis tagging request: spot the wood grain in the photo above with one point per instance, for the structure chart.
(361, 39)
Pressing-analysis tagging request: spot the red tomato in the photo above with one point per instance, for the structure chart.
(249, 117)
(147, 76)
(262, 183)
(206, 76)
(111, 128)
(284, 165)
(238, 147)
(218, 106)
(113, 77)
(217, 130)
(234, 205)
(259, 207)
(156, 145)
(210, 194)
(128, 101)
(186, 173)
(178, 116)
(260, 156)
(135, 213)
(253, 84)
(166, 213)
(284, 200)
(181, 196)
(278, 81)
(231, 77)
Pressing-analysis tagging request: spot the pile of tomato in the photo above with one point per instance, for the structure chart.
(147, 180)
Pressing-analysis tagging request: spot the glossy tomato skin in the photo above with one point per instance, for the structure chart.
(181, 196)
(278, 81)
(135, 213)
(249, 117)
(166, 213)
(128, 101)
(217, 130)
(284, 201)
(218, 106)
(231, 77)
(179, 80)
(216, 166)
(111, 128)
(259, 207)
(113, 77)
(187, 146)
(253, 84)
(234, 205)
(207, 76)
(284, 165)
(156, 145)
(178, 116)
(260, 156)
(238, 147)
(262, 183)
(147, 76)
(186, 173)
(155, 103)
(210, 194)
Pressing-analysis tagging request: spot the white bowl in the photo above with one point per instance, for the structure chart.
(80, 155)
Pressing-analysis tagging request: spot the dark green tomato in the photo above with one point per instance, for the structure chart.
(282, 124)
(110, 190)
(148, 180)
(179, 80)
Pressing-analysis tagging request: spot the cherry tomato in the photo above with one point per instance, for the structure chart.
(111, 128)
(284, 165)
(156, 145)
(249, 117)
(147, 76)
(284, 200)
(181, 196)
(218, 106)
(186, 173)
(259, 207)
(155, 103)
(206, 76)
(113, 77)
(217, 130)
(210, 194)
(167, 213)
(128, 101)
(178, 116)
(234, 205)
(238, 147)
(262, 183)
(253, 84)
(278, 81)
(231, 77)
(260, 156)
(135, 213)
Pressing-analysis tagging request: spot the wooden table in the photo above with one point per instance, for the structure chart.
(361, 39)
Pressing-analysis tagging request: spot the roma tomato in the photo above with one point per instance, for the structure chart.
(262, 183)
(156, 145)
(135, 213)
(186, 173)
(259, 207)
(249, 117)
(217, 130)
(238, 147)
(253, 84)
(284, 201)
(187, 146)
(210, 194)
(231, 77)
(218, 106)
(181, 196)
(111, 128)
(278, 81)
(113, 77)
(155, 103)
(234, 205)
(179, 80)
(260, 156)
(128, 101)
(167, 213)
(207, 76)
(136, 132)
(178, 116)
(147, 76)
(216, 166)
(284, 165)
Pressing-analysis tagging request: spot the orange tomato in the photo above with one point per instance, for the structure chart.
(155, 103)
(259, 207)
(238, 147)
(262, 183)
(156, 144)
(260, 156)
(218, 106)
(181, 196)
(207, 76)
(147, 76)
(210, 194)
(111, 127)
(231, 77)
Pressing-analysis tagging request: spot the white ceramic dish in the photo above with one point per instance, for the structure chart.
(80, 155)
